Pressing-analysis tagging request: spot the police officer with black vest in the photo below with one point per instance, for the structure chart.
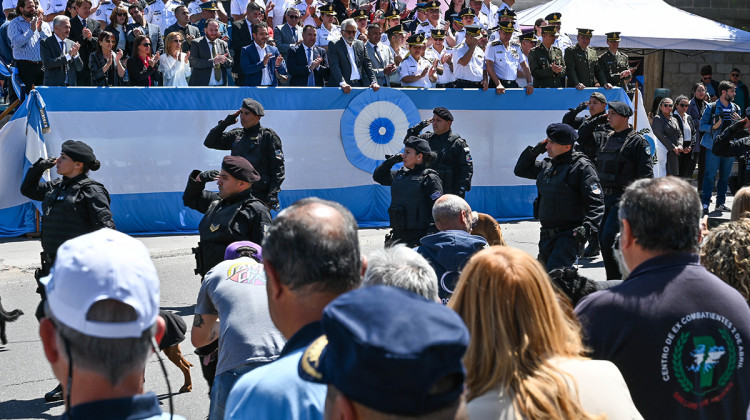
(414, 189)
(72, 206)
(623, 157)
(453, 162)
(261, 146)
(569, 205)
(232, 215)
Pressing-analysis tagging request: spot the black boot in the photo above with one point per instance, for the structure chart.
(592, 250)
(54, 395)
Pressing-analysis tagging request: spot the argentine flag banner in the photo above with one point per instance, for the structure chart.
(148, 140)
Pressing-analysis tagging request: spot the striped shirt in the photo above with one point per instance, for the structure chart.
(25, 41)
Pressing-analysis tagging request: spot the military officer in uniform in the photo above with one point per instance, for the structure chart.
(438, 51)
(504, 61)
(468, 60)
(527, 41)
(562, 41)
(546, 61)
(209, 10)
(613, 65)
(328, 31)
(415, 70)
(569, 205)
(453, 161)
(261, 146)
(623, 157)
(232, 215)
(581, 62)
(432, 9)
(414, 188)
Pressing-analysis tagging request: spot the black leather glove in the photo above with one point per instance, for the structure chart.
(581, 234)
(394, 158)
(208, 176)
(46, 163)
(273, 202)
(229, 120)
(737, 126)
(414, 131)
(582, 106)
(601, 119)
(539, 148)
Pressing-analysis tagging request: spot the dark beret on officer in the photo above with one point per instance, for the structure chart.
(253, 106)
(418, 144)
(562, 134)
(599, 96)
(79, 151)
(240, 168)
(443, 113)
(621, 108)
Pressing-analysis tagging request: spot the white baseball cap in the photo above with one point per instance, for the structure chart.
(103, 265)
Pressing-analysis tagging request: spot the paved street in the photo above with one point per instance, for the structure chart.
(26, 376)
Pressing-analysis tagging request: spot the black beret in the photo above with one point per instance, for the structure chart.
(418, 144)
(240, 168)
(600, 97)
(253, 106)
(443, 113)
(562, 134)
(78, 151)
(621, 108)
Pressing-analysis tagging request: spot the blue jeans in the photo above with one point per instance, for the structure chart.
(223, 383)
(724, 166)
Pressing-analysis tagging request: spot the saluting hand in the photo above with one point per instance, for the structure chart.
(208, 176)
(47, 163)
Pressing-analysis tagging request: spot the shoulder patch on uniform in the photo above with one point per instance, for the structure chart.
(595, 188)
(434, 196)
(648, 150)
(468, 154)
(424, 23)
(496, 43)
(279, 154)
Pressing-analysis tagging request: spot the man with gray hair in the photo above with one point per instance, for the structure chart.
(448, 250)
(675, 331)
(60, 55)
(402, 267)
(348, 61)
(311, 256)
(102, 323)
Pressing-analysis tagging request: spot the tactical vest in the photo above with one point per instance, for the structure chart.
(216, 230)
(250, 148)
(559, 204)
(410, 207)
(62, 219)
(445, 170)
(615, 171)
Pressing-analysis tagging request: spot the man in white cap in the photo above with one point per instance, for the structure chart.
(102, 324)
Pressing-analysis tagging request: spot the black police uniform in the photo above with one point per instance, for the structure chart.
(261, 146)
(624, 157)
(588, 143)
(734, 141)
(569, 197)
(413, 191)
(240, 217)
(453, 163)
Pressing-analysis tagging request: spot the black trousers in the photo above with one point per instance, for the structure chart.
(30, 73)
(466, 84)
(508, 84)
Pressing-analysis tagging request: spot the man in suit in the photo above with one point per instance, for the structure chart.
(141, 27)
(189, 32)
(262, 65)
(60, 55)
(209, 58)
(287, 35)
(307, 63)
(85, 31)
(381, 56)
(349, 63)
(242, 36)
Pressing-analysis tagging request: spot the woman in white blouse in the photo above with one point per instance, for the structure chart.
(174, 63)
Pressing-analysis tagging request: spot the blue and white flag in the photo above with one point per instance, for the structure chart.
(37, 124)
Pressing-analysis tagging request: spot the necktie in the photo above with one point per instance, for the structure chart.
(83, 21)
(65, 66)
(294, 34)
(62, 47)
(217, 67)
(311, 76)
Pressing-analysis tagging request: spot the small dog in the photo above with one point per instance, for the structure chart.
(7, 317)
(170, 345)
(487, 227)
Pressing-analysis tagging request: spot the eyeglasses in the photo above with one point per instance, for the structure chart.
(350, 32)
(683, 105)
(292, 17)
(111, 41)
(176, 40)
(121, 14)
(735, 75)
(667, 105)
(706, 77)
(146, 45)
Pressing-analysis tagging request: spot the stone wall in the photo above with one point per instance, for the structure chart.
(680, 72)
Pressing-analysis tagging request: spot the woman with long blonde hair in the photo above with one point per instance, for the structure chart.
(174, 64)
(525, 358)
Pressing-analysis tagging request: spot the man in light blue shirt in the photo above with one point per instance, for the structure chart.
(26, 32)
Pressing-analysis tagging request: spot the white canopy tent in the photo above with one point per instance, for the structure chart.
(644, 24)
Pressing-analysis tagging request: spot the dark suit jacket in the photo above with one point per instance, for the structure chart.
(189, 30)
(341, 68)
(87, 46)
(297, 65)
(111, 29)
(139, 73)
(241, 37)
(56, 65)
(252, 65)
(284, 38)
(202, 68)
(152, 31)
(98, 78)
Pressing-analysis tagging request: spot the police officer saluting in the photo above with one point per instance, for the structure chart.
(595, 122)
(261, 146)
(546, 61)
(569, 205)
(623, 157)
(581, 61)
(414, 189)
(453, 162)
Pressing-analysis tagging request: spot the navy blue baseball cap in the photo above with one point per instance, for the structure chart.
(562, 133)
(387, 349)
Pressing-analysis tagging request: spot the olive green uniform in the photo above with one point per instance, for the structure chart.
(540, 63)
(610, 67)
(581, 66)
